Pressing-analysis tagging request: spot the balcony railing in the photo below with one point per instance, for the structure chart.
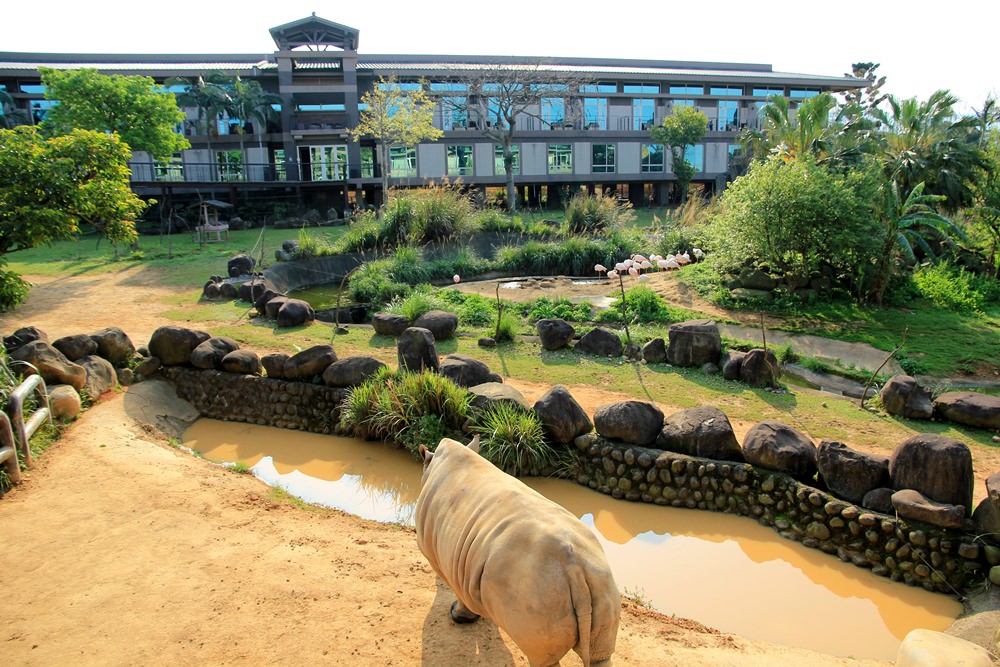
(147, 172)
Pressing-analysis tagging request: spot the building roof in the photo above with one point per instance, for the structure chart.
(315, 33)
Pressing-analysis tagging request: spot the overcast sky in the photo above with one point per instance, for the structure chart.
(922, 46)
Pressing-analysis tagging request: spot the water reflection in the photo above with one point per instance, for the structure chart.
(727, 572)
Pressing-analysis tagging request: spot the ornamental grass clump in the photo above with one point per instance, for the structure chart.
(513, 439)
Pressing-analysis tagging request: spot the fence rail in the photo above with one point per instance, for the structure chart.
(15, 432)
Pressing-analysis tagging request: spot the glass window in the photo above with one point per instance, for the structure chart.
(553, 112)
(170, 171)
(642, 88)
(449, 86)
(802, 94)
(454, 113)
(768, 92)
(560, 159)
(643, 113)
(402, 85)
(40, 109)
(728, 91)
(595, 113)
(498, 167)
(279, 165)
(32, 88)
(602, 159)
(230, 165)
(367, 162)
(402, 161)
(729, 111)
(460, 160)
(685, 89)
(315, 107)
(696, 156)
(686, 103)
(601, 87)
(652, 158)
(325, 163)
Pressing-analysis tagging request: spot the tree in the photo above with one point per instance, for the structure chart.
(685, 127)
(133, 107)
(209, 96)
(50, 186)
(250, 102)
(497, 95)
(394, 117)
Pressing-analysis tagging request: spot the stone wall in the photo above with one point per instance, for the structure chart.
(918, 554)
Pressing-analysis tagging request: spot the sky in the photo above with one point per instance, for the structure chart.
(921, 46)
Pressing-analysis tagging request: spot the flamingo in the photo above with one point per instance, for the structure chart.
(632, 271)
(456, 278)
(600, 268)
(612, 274)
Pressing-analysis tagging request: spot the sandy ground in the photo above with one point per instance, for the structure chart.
(120, 549)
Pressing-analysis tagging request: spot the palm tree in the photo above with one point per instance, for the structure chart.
(10, 115)
(209, 95)
(250, 102)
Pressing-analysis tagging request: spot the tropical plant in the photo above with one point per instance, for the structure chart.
(513, 439)
(249, 102)
(209, 95)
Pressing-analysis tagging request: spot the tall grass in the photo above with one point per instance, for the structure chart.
(513, 439)
(594, 214)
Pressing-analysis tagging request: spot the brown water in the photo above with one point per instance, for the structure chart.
(727, 572)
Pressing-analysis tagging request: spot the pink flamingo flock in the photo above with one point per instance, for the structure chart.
(637, 264)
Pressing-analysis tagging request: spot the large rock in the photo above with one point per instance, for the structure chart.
(937, 466)
(731, 363)
(879, 500)
(760, 369)
(23, 336)
(987, 514)
(76, 346)
(554, 333)
(351, 372)
(910, 504)
(209, 355)
(114, 345)
(562, 417)
(486, 394)
(969, 408)
(600, 342)
(754, 279)
(274, 365)
(244, 362)
(229, 291)
(777, 446)
(850, 474)
(173, 345)
(416, 351)
(635, 422)
(440, 323)
(903, 397)
(702, 431)
(260, 304)
(294, 312)
(101, 375)
(148, 366)
(390, 324)
(309, 362)
(466, 371)
(655, 351)
(273, 305)
(40, 357)
(928, 648)
(251, 290)
(64, 402)
(693, 343)
(240, 265)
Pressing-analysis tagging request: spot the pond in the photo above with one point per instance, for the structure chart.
(724, 571)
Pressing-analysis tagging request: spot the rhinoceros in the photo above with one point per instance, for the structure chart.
(512, 555)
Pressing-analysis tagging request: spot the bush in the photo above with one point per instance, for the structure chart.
(544, 308)
(950, 287)
(13, 288)
(506, 327)
(372, 284)
(592, 214)
(421, 300)
(513, 439)
(642, 304)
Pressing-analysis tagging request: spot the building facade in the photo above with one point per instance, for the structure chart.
(591, 133)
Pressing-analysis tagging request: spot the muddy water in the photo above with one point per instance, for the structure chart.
(724, 571)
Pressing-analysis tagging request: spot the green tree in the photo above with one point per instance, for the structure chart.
(209, 96)
(49, 187)
(394, 117)
(249, 102)
(685, 127)
(134, 107)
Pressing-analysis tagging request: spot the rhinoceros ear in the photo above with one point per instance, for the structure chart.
(425, 455)
(474, 445)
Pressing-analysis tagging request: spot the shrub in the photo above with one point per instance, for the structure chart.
(421, 300)
(13, 288)
(313, 245)
(372, 284)
(592, 214)
(544, 308)
(506, 327)
(642, 304)
(949, 287)
(513, 439)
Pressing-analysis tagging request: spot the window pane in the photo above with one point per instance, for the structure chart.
(728, 115)
(687, 90)
(802, 94)
(367, 162)
(602, 87)
(460, 160)
(553, 111)
(602, 159)
(560, 158)
(230, 165)
(402, 161)
(327, 163)
(767, 92)
(643, 113)
(642, 88)
(726, 90)
(498, 166)
(595, 113)
(696, 156)
(652, 158)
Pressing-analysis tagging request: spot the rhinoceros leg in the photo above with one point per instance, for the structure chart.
(461, 614)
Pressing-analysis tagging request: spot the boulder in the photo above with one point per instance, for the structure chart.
(969, 408)
(148, 366)
(777, 446)
(244, 362)
(416, 351)
(986, 518)
(228, 291)
(76, 346)
(692, 343)
(600, 342)
(261, 302)
(466, 371)
(760, 369)
(101, 375)
(487, 342)
(755, 279)
(211, 290)
(40, 357)
(210, 353)
(23, 336)
(554, 333)
(64, 402)
(390, 324)
(440, 323)
(294, 312)
(635, 422)
(252, 290)
(486, 394)
(879, 500)
(351, 372)
(240, 265)
(655, 351)
(708, 368)
(928, 648)
(114, 345)
(702, 431)
(902, 397)
(937, 466)
(125, 376)
(173, 345)
(850, 474)
(562, 417)
(274, 365)
(731, 362)
(273, 305)
(910, 504)
(745, 294)
(308, 363)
